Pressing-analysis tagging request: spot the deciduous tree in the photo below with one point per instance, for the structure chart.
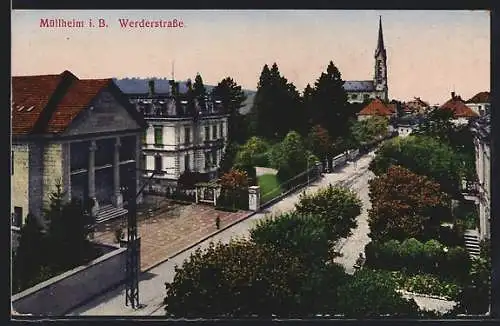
(424, 156)
(302, 235)
(243, 279)
(370, 293)
(369, 130)
(319, 141)
(405, 205)
(337, 207)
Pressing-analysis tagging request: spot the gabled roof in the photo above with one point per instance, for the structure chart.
(49, 103)
(30, 96)
(379, 108)
(78, 97)
(458, 107)
(359, 86)
(482, 97)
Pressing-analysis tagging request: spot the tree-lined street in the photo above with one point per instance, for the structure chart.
(151, 286)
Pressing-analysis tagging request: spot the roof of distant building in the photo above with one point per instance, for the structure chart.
(141, 85)
(457, 105)
(379, 108)
(49, 103)
(482, 97)
(359, 86)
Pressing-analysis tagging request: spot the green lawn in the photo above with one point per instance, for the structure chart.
(269, 187)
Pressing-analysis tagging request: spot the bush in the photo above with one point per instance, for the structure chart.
(427, 284)
(371, 293)
(415, 257)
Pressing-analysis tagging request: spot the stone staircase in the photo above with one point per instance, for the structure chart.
(471, 238)
(109, 212)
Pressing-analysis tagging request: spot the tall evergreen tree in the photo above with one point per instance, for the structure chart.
(232, 98)
(330, 103)
(67, 233)
(199, 91)
(276, 100)
(29, 256)
(307, 102)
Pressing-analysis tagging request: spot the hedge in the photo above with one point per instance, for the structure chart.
(427, 284)
(415, 257)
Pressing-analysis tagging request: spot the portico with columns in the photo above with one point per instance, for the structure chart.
(84, 136)
(110, 166)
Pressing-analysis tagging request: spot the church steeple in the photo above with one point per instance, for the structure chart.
(380, 77)
(380, 44)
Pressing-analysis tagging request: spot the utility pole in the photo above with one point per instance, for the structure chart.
(132, 266)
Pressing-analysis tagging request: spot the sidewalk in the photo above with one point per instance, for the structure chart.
(174, 228)
(152, 288)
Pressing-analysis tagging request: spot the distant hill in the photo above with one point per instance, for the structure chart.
(140, 86)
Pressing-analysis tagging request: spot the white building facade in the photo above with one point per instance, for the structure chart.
(481, 132)
(183, 135)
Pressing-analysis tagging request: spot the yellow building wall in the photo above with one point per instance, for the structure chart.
(52, 172)
(20, 178)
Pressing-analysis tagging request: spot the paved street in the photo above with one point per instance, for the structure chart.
(151, 287)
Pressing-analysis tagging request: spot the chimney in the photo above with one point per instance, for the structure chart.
(151, 87)
(453, 95)
(171, 84)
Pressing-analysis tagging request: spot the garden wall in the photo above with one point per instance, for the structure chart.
(59, 295)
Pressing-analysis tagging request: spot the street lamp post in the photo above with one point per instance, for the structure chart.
(133, 249)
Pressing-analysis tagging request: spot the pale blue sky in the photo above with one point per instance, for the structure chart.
(429, 52)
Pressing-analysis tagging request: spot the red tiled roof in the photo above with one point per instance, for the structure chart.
(34, 93)
(30, 96)
(77, 98)
(482, 97)
(377, 107)
(458, 107)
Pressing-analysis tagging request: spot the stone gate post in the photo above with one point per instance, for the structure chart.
(254, 198)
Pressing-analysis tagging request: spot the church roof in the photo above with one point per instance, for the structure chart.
(359, 86)
(482, 97)
(377, 107)
(380, 43)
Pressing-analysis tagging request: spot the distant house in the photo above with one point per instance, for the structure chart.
(416, 106)
(182, 134)
(462, 114)
(377, 108)
(480, 103)
(81, 133)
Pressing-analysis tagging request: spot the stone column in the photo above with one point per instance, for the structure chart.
(91, 176)
(117, 195)
(254, 198)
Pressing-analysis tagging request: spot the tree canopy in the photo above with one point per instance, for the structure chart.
(369, 130)
(371, 293)
(301, 235)
(405, 205)
(232, 97)
(329, 103)
(422, 155)
(337, 207)
(243, 279)
(276, 100)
